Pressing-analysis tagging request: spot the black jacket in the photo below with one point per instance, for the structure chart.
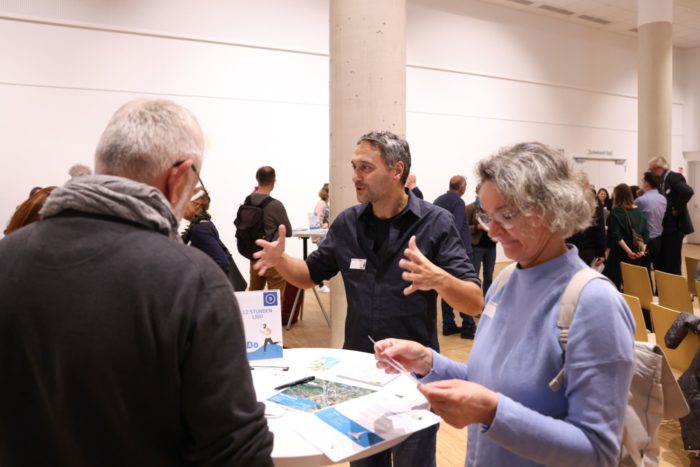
(120, 346)
(677, 193)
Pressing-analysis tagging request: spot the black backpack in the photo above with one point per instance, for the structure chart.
(250, 226)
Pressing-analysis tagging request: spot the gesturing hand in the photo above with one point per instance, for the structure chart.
(420, 272)
(271, 252)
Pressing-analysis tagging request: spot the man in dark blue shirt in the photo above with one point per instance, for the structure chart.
(366, 244)
(452, 202)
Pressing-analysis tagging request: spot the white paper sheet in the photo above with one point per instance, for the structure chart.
(349, 428)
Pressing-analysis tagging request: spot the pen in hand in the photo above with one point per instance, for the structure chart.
(295, 383)
(397, 365)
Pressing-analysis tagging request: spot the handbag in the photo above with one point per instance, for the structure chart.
(637, 240)
(234, 275)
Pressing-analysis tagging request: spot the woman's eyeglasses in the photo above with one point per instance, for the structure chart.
(505, 219)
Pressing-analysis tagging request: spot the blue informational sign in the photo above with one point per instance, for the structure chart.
(262, 320)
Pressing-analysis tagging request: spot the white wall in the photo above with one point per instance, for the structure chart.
(691, 114)
(482, 76)
(256, 75)
(258, 106)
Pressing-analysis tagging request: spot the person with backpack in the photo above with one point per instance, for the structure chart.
(532, 393)
(258, 218)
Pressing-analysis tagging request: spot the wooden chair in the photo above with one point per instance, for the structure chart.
(673, 291)
(690, 265)
(680, 357)
(636, 282)
(640, 329)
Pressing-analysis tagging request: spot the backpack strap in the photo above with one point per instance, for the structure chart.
(249, 201)
(567, 309)
(265, 202)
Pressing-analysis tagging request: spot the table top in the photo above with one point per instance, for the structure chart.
(291, 449)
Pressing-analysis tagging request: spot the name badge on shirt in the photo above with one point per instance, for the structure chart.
(356, 263)
(490, 309)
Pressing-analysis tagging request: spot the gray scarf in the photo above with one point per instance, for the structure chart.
(117, 197)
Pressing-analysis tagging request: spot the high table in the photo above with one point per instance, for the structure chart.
(290, 449)
(305, 235)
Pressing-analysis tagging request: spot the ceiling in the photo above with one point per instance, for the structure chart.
(614, 15)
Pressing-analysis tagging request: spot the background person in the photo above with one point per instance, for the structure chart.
(452, 202)
(79, 170)
(604, 199)
(411, 185)
(532, 202)
(322, 208)
(124, 346)
(483, 247)
(201, 233)
(624, 217)
(590, 242)
(323, 213)
(676, 223)
(28, 211)
(653, 206)
(274, 215)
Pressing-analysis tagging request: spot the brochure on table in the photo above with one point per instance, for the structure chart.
(262, 320)
(360, 419)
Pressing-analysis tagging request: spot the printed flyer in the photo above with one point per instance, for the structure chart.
(262, 320)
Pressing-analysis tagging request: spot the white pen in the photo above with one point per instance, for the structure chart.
(397, 365)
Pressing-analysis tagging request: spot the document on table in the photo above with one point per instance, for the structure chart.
(366, 373)
(349, 428)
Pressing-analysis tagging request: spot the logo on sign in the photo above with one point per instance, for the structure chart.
(270, 298)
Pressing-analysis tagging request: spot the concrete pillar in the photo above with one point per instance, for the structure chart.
(367, 92)
(655, 85)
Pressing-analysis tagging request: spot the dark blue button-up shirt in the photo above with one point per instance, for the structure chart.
(377, 306)
(453, 203)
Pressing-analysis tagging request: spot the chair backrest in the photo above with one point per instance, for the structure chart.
(640, 330)
(690, 265)
(636, 282)
(673, 291)
(680, 357)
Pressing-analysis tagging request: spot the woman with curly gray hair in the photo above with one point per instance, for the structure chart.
(532, 201)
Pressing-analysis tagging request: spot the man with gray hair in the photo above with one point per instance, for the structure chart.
(676, 223)
(119, 345)
(366, 244)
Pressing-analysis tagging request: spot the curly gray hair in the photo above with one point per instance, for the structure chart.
(537, 180)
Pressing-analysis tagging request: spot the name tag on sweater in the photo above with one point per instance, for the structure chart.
(358, 263)
(490, 309)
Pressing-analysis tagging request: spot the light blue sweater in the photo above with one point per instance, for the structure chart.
(517, 352)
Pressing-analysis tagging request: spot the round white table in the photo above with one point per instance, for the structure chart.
(291, 449)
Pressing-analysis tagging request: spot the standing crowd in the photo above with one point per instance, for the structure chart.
(639, 225)
(122, 345)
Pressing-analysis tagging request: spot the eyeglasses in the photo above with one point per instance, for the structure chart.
(199, 179)
(505, 219)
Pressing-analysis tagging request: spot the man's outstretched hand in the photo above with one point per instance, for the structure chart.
(271, 252)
